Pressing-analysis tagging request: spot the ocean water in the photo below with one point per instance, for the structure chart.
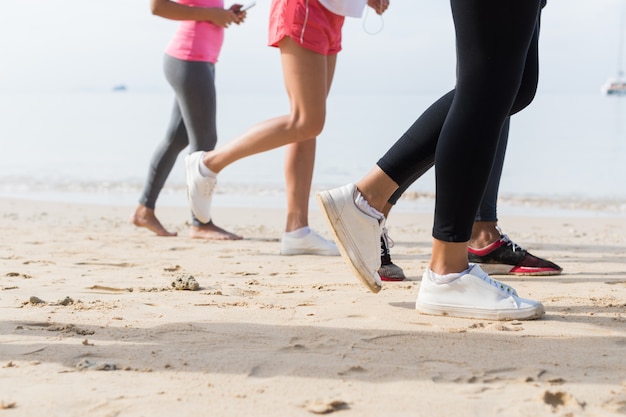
(566, 151)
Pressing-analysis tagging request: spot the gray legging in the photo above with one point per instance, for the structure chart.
(193, 122)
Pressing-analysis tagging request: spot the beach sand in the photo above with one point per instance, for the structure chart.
(91, 325)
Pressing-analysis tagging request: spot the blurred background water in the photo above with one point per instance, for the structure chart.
(565, 150)
(66, 136)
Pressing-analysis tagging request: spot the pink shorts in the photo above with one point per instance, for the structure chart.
(319, 31)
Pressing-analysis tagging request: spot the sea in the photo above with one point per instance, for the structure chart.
(566, 153)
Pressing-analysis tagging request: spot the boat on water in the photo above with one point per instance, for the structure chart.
(617, 86)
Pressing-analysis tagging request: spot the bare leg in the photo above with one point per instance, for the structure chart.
(307, 78)
(448, 257)
(483, 234)
(300, 156)
(387, 209)
(299, 163)
(145, 217)
(376, 187)
(306, 82)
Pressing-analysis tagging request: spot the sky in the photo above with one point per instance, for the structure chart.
(88, 45)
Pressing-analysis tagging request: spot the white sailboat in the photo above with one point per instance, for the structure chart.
(617, 86)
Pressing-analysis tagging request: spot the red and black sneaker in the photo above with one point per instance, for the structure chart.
(388, 270)
(507, 258)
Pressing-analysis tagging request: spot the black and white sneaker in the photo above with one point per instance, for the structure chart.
(388, 270)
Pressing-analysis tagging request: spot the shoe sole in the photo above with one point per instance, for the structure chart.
(305, 252)
(504, 269)
(473, 313)
(387, 279)
(339, 231)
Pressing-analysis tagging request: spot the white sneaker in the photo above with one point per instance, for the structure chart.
(311, 244)
(356, 233)
(475, 295)
(199, 188)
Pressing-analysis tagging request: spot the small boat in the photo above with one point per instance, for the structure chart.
(617, 86)
(120, 87)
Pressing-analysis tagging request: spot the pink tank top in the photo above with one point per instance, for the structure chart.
(197, 41)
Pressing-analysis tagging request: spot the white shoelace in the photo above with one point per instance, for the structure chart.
(207, 187)
(495, 283)
(385, 235)
(505, 238)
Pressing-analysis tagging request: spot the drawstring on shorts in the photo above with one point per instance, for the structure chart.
(306, 18)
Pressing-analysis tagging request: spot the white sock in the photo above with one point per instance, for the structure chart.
(444, 279)
(299, 233)
(365, 207)
(204, 171)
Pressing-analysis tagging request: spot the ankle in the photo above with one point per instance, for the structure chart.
(299, 233)
(484, 234)
(445, 278)
(363, 205)
(204, 169)
(448, 257)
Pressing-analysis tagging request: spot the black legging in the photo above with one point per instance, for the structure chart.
(497, 77)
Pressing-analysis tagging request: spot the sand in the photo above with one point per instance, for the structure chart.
(92, 326)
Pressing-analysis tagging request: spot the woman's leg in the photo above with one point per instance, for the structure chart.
(194, 84)
(300, 156)
(465, 148)
(493, 38)
(299, 164)
(420, 134)
(484, 230)
(161, 165)
(298, 239)
(163, 160)
(487, 211)
(306, 79)
(434, 117)
(488, 244)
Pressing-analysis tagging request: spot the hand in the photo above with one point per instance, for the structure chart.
(224, 17)
(378, 5)
(241, 15)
